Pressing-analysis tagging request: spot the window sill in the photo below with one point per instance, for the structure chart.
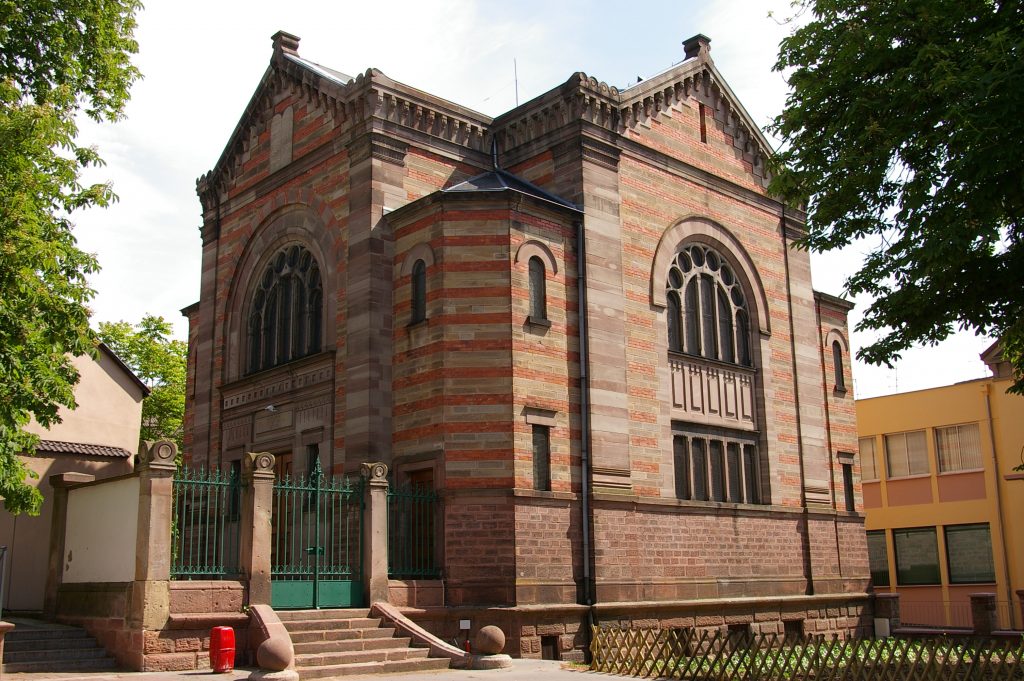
(416, 324)
(539, 322)
(963, 471)
(915, 476)
(839, 391)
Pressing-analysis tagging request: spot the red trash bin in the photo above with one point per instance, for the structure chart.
(222, 649)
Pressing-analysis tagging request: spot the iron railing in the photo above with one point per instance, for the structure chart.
(692, 654)
(412, 542)
(205, 531)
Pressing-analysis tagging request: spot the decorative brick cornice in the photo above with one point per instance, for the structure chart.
(584, 98)
(370, 95)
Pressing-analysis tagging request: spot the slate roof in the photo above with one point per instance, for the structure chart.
(81, 449)
(499, 180)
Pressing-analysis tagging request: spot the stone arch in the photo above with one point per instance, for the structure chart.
(278, 224)
(836, 335)
(706, 230)
(534, 248)
(421, 251)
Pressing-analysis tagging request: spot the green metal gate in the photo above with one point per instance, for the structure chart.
(316, 557)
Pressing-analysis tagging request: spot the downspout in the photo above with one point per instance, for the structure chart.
(808, 569)
(828, 435)
(213, 335)
(589, 595)
(999, 505)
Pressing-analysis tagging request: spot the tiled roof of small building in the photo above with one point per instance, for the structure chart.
(501, 180)
(81, 449)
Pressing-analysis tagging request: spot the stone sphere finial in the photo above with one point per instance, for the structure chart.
(490, 640)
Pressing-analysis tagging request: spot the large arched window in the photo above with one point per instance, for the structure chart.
(286, 313)
(707, 311)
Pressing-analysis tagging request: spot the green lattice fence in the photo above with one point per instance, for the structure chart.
(711, 655)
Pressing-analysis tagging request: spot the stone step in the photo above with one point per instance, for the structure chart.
(12, 645)
(341, 634)
(53, 654)
(61, 666)
(327, 614)
(316, 624)
(425, 664)
(350, 645)
(359, 656)
(45, 634)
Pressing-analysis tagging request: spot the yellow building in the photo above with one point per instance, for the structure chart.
(944, 503)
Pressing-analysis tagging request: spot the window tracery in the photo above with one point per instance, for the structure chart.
(706, 306)
(286, 312)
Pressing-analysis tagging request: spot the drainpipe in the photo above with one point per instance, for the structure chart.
(589, 595)
(999, 505)
(808, 567)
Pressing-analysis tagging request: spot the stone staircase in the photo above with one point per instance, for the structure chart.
(35, 646)
(331, 643)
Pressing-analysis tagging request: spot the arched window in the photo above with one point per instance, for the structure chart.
(419, 292)
(707, 311)
(538, 290)
(286, 313)
(837, 365)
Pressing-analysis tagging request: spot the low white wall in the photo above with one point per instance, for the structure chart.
(99, 545)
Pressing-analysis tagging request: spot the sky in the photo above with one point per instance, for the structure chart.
(202, 61)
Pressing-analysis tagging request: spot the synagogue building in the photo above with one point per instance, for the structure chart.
(582, 325)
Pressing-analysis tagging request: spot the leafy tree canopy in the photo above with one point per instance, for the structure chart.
(56, 59)
(159, 360)
(903, 126)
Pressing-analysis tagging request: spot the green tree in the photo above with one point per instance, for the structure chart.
(57, 59)
(903, 128)
(159, 360)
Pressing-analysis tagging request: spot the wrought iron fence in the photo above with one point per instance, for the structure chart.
(711, 655)
(205, 532)
(412, 543)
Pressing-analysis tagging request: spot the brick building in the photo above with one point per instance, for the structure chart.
(388, 276)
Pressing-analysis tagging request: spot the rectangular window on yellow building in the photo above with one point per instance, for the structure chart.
(917, 556)
(906, 454)
(958, 448)
(969, 554)
(878, 561)
(868, 465)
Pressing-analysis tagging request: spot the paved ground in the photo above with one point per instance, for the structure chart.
(522, 670)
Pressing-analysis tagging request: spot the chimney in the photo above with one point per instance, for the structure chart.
(286, 42)
(698, 46)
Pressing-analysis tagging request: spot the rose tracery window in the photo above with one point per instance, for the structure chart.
(286, 313)
(707, 310)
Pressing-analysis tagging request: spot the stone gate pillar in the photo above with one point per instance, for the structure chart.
(150, 599)
(257, 509)
(375, 532)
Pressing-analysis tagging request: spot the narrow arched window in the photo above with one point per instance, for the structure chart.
(675, 327)
(837, 365)
(705, 299)
(538, 290)
(418, 293)
(286, 311)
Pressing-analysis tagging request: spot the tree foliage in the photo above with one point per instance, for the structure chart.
(903, 127)
(159, 360)
(56, 59)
